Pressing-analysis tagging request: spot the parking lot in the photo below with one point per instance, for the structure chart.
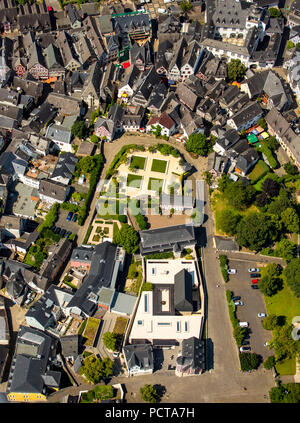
(67, 225)
(253, 299)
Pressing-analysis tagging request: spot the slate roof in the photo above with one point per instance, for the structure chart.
(164, 239)
(30, 361)
(183, 298)
(53, 189)
(140, 355)
(192, 354)
(65, 166)
(100, 275)
(58, 133)
(247, 114)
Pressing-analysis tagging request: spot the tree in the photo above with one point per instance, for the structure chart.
(96, 369)
(272, 143)
(286, 249)
(79, 129)
(291, 275)
(269, 363)
(207, 177)
(198, 144)
(254, 231)
(238, 196)
(290, 219)
(227, 221)
(262, 123)
(262, 200)
(249, 361)
(149, 393)
(186, 6)
(236, 70)
(157, 130)
(285, 347)
(94, 139)
(274, 12)
(110, 340)
(270, 282)
(270, 322)
(270, 187)
(285, 393)
(290, 168)
(128, 238)
(290, 45)
(223, 182)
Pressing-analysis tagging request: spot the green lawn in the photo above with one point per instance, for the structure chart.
(159, 165)
(138, 162)
(288, 367)
(134, 181)
(258, 184)
(284, 303)
(260, 169)
(155, 184)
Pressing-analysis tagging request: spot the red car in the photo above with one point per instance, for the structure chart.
(253, 281)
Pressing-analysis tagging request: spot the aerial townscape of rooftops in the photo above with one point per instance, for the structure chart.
(149, 201)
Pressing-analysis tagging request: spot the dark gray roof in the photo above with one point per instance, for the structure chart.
(30, 361)
(247, 114)
(193, 355)
(183, 298)
(65, 166)
(226, 244)
(53, 189)
(140, 355)
(164, 239)
(100, 275)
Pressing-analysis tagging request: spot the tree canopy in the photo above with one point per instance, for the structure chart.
(128, 238)
(96, 369)
(254, 231)
(249, 361)
(236, 70)
(290, 219)
(270, 322)
(149, 393)
(198, 144)
(79, 129)
(292, 275)
(270, 282)
(228, 220)
(110, 340)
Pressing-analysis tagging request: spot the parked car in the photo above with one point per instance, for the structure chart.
(62, 232)
(236, 298)
(238, 303)
(70, 214)
(245, 343)
(254, 286)
(115, 354)
(68, 234)
(254, 280)
(243, 349)
(75, 217)
(243, 324)
(56, 230)
(231, 271)
(253, 270)
(261, 315)
(254, 275)
(266, 344)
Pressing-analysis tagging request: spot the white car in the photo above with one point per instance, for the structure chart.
(115, 354)
(238, 303)
(244, 349)
(266, 344)
(231, 271)
(261, 315)
(253, 270)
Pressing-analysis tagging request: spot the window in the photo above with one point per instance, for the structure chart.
(178, 327)
(186, 326)
(140, 322)
(153, 271)
(163, 324)
(146, 303)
